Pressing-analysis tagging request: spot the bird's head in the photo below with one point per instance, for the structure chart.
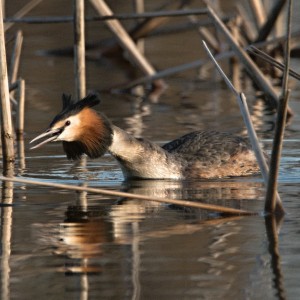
(80, 128)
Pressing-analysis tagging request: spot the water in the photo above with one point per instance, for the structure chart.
(58, 244)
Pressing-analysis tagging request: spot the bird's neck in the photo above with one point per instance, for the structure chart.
(141, 158)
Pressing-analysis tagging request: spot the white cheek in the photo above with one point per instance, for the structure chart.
(66, 135)
(70, 132)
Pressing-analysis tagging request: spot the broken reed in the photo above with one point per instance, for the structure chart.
(209, 207)
(242, 102)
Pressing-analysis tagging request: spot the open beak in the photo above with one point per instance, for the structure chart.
(53, 133)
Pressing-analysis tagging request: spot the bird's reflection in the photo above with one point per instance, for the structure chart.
(83, 233)
(86, 229)
(234, 192)
(116, 237)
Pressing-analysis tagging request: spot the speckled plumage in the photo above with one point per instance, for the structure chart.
(208, 154)
(199, 154)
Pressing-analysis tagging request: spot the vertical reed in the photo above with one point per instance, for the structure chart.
(139, 7)
(6, 122)
(79, 49)
(15, 58)
(20, 109)
(3, 9)
(258, 11)
(79, 64)
(280, 124)
(234, 63)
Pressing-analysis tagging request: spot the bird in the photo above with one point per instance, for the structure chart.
(196, 155)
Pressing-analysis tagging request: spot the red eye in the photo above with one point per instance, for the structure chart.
(67, 123)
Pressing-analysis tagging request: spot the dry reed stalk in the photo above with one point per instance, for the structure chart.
(270, 205)
(125, 40)
(15, 58)
(206, 34)
(20, 109)
(252, 69)
(209, 207)
(278, 40)
(79, 49)
(258, 11)
(6, 122)
(13, 86)
(23, 11)
(165, 73)
(139, 8)
(3, 8)
(269, 59)
(249, 30)
(200, 63)
(21, 155)
(265, 30)
(250, 128)
(144, 27)
(146, 15)
(234, 63)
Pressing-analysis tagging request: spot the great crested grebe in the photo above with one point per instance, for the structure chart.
(199, 154)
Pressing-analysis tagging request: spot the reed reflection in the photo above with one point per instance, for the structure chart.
(6, 230)
(242, 195)
(273, 224)
(87, 228)
(117, 239)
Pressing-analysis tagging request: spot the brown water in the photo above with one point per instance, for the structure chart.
(58, 244)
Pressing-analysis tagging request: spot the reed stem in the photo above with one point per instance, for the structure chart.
(270, 205)
(20, 109)
(250, 128)
(23, 11)
(6, 122)
(15, 58)
(269, 59)
(125, 40)
(258, 12)
(79, 49)
(68, 19)
(269, 24)
(251, 68)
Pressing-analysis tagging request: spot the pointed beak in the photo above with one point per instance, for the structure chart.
(53, 133)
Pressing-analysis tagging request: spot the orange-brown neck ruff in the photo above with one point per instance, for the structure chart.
(94, 136)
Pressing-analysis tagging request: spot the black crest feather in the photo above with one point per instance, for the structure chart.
(70, 107)
(67, 101)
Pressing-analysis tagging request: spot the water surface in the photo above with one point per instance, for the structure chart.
(58, 244)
